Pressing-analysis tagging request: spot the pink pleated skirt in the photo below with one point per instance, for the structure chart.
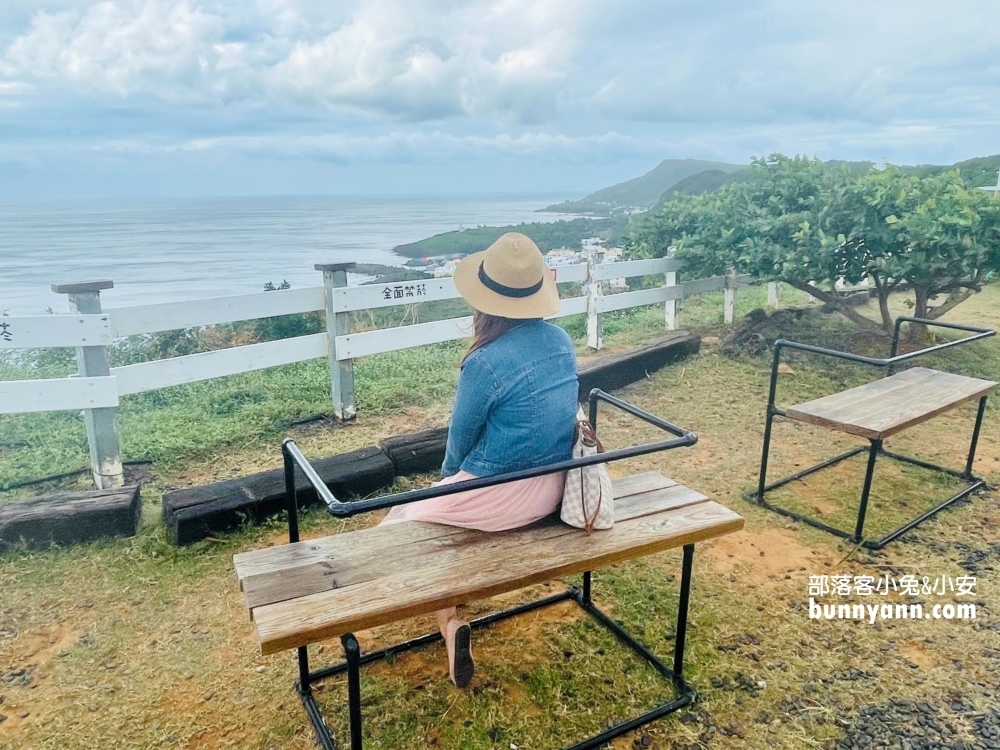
(498, 508)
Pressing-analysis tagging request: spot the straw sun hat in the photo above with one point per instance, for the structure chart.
(508, 279)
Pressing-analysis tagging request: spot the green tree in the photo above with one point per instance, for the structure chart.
(796, 221)
(939, 237)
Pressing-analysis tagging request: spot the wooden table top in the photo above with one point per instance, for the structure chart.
(884, 407)
(322, 588)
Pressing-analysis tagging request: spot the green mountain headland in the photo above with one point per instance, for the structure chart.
(640, 192)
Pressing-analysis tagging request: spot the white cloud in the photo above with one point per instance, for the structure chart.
(13, 87)
(426, 61)
(526, 61)
(395, 81)
(161, 47)
(399, 59)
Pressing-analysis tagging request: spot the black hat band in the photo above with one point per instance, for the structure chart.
(508, 291)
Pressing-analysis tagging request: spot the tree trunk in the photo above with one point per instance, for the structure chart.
(918, 331)
(957, 297)
(882, 289)
(833, 301)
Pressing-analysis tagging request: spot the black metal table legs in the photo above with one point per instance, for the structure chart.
(582, 596)
(874, 450)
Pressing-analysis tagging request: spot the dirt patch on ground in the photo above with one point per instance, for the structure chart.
(917, 653)
(763, 555)
(986, 465)
(22, 677)
(823, 506)
(41, 648)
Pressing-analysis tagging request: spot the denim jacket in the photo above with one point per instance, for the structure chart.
(516, 403)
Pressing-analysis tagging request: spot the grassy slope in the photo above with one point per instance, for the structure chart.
(138, 644)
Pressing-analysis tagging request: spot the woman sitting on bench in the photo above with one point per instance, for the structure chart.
(515, 408)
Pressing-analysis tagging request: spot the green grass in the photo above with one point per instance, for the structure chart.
(186, 671)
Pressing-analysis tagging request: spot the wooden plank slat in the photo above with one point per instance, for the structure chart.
(57, 394)
(885, 407)
(42, 331)
(332, 613)
(378, 540)
(837, 407)
(931, 397)
(169, 316)
(375, 541)
(635, 484)
(192, 368)
(339, 571)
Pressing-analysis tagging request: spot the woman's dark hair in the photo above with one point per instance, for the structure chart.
(488, 328)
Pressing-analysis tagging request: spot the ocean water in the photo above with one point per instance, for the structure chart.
(169, 250)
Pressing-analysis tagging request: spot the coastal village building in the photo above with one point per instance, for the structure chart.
(444, 266)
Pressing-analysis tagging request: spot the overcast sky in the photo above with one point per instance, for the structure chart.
(193, 97)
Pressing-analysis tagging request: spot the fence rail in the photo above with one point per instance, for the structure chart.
(170, 316)
(55, 331)
(192, 368)
(97, 387)
(631, 268)
(57, 394)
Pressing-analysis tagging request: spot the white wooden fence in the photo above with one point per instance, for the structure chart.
(96, 388)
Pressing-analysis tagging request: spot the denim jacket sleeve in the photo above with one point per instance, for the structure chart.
(476, 390)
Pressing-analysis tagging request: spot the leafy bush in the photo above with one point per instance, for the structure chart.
(798, 221)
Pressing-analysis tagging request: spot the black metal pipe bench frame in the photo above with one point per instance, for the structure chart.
(581, 595)
(875, 448)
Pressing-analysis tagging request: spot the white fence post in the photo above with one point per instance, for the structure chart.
(772, 294)
(92, 362)
(730, 302)
(595, 290)
(338, 324)
(671, 304)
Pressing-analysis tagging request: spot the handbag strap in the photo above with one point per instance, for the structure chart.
(589, 438)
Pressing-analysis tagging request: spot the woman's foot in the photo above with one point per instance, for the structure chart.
(458, 641)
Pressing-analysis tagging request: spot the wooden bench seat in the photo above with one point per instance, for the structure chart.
(300, 593)
(876, 411)
(885, 407)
